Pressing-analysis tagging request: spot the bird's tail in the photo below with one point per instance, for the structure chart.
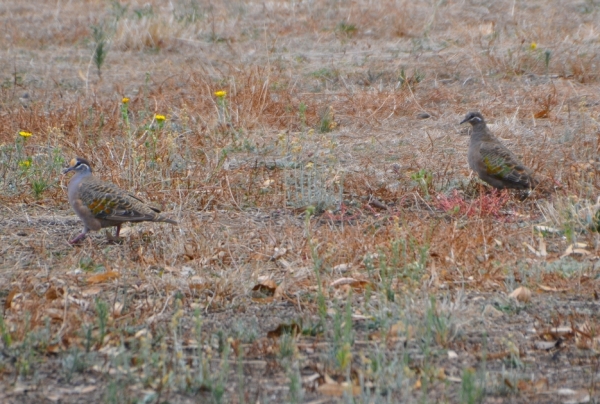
(165, 220)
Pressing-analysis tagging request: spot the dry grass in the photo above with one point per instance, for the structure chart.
(332, 242)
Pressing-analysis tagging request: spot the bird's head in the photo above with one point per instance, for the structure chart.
(473, 118)
(79, 165)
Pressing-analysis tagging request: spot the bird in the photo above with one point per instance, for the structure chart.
(101, 204)
(492, 161)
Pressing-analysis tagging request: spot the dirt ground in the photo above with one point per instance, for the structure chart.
(333, 245)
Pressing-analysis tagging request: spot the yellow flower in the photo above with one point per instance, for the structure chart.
(533, 46)
(24, 134)
(221, 93)
(125, 100)
(159, 118)
(309, 165)
(24, 163)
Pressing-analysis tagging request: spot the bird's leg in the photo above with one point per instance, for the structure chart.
(80, 236)
(115, 238)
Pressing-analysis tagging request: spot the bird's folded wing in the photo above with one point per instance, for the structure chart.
(500, 163)
(108, 202)
(144, 203)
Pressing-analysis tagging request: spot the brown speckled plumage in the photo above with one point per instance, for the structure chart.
(102, 204)
(492, 161)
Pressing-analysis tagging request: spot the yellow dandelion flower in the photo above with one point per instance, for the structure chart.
(159, 118)
(24, 134)
(125, 100)
(533, 46)
(221, 93)
(25, 163)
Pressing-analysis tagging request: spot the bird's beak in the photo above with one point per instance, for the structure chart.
(463, 121)
(66, 170)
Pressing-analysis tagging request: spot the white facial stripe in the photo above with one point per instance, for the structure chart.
(476, 119)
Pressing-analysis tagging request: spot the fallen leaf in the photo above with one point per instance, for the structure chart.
(55, 314)
(290, 329)
(354, 283)
(269, 299)
(53, 348)
(575, 248)
(551, 289)
(268, 284)
(106, 276)
(264, 290)
(523, 385)
(52, 294)
(540, 385)
(522, 294)
(279, 291)
(494, 355)
(545, 345)
(541, 251)
(278, 252)
(143, 333)
(533, 250)
(574, 396)
(10, 298)
(117, 309)
(91, 291)
(342, 281)
(87, 389)
(542, 247)
(492, 312)
(341, 267)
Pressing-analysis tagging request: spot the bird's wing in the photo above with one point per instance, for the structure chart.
(108, 202)
(144, 203)
(500, 163)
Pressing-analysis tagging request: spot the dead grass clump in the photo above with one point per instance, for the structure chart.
(150, 33)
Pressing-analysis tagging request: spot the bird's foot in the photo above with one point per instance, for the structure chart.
(113, 239)
(77, 239)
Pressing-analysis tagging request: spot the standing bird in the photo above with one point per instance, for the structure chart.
(492, 161)
(102, 204)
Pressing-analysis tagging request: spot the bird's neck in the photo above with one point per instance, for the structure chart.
(85, 174)
(481, 131)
